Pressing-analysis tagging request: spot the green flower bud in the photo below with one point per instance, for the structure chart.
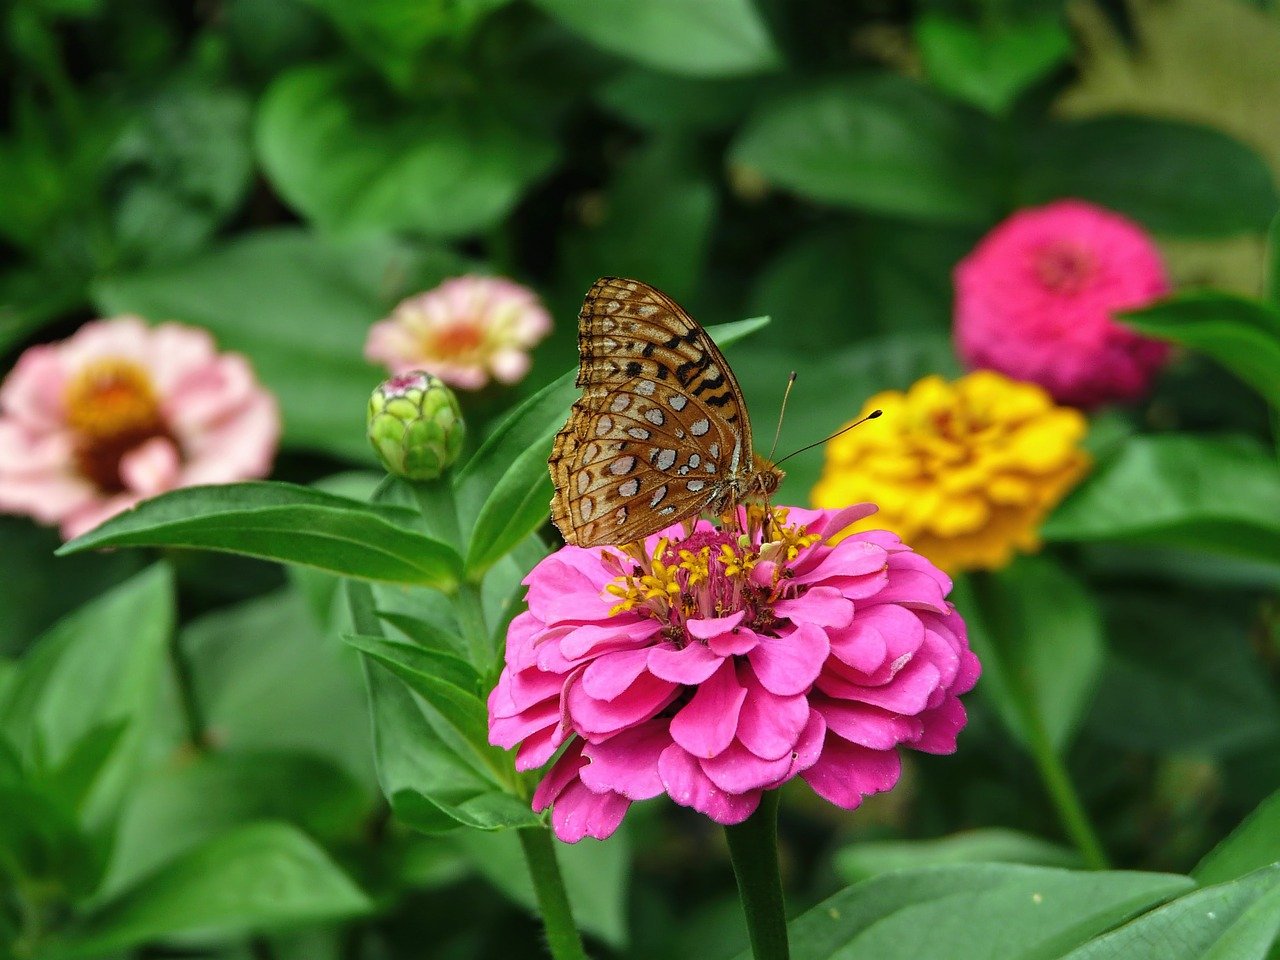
(415, 425)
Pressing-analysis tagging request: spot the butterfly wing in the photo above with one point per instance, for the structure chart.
(661, 425)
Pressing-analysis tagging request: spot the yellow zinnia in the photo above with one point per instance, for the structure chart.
(964, 471)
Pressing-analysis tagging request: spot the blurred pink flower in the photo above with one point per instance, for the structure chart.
(1035, 300)
(463, 331)
(120, 412)
(715, 666)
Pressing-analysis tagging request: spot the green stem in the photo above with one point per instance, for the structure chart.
(193, 717)
(753, 846)
(563, 939)
(1064, 795)
(470, 612)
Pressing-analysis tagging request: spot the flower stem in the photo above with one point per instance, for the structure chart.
(563, 939)
(1066, 799)
(753, 846)
(193, 717)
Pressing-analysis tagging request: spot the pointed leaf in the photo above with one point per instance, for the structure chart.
(1232, 921)
(256, 878)
(289, 524)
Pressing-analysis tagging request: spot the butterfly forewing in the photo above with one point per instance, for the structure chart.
(661, 429)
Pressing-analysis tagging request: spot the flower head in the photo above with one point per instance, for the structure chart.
(1037, 297)
(966, 471)
(119, 412)
(415, 426)
(714, 663)
(464, 331)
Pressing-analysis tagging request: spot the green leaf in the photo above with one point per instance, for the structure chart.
(974, 912)
(596, 877)
(178, 807)
(270, 679)
(1243, 335)
(391, 34)
(1161, 693)
(1251, 846)
(1220, 495)
(656, 223)
(258, 877)
(704, 38)
(41, 843)
(98, 668)
(1271, 278)
(448, 683)
(1174, 177)
(660, 101)
(345, 159)
(506, 486)
(1038, 634)
(878, 143)
(289, 524)
(865, 859)
(428, 783)
(180, 168)
(989, 65)
(256, 292)
(1233, 921)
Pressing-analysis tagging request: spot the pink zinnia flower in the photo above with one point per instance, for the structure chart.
(715, 665)
(119, 412)
(1035, 300)
(463, 331)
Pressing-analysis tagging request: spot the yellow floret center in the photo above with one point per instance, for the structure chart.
(112, 407)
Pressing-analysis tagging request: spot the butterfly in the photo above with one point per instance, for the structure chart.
(661, 432)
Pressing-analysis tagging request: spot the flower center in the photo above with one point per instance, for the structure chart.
(112, 408)
(457, 340)
(1065, 267)
(710, 573)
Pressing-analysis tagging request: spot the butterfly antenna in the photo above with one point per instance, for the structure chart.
(791, 382)
(870, 416)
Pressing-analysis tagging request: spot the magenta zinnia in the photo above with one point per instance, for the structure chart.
(714, 664)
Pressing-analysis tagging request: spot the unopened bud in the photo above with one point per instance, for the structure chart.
(415, 425)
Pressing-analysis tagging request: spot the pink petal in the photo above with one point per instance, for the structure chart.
(506, 732)
(538, 748)
(821, 606)
(688, 786)
(579, 812)
(706, 629)
(151, 468)
(877, 635)
(942, 725)
(912, 589)
(907, 693)
(595, 718)
(620, 633)
(611, 674)
(735, 643)
(848, 558)
(789, 665)
(706, 724)
(867, 726)
(845, 773)
(688, 665)
(563, 772)
(769, 725)
(627, 763)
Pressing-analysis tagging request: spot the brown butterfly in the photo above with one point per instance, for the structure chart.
(661, 431)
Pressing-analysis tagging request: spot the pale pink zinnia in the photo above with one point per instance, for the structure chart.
(1036, 300)
(717, 665)
(121, 411)
(463, 331)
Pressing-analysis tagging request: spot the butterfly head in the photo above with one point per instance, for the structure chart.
(765, 479)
